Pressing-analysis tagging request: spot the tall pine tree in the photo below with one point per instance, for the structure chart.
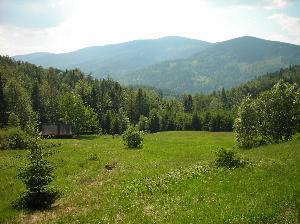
(3, 104)
(188, 103)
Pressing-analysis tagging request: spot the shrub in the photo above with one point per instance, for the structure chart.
(36, 176)
(133, 138)
(13, 138)
(228, 158)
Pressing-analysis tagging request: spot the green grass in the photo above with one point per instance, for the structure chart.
(169, 180)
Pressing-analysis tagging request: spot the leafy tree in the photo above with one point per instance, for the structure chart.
(81, 117)
(245, 125)
(276, 113)
(270, 118)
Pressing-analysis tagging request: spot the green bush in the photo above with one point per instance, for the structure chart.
(13, 138)
(228, 158)
(133, 138)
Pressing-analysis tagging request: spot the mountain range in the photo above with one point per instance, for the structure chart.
(177, 63)
(119, 58)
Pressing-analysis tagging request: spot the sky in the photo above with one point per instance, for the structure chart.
(58, 26)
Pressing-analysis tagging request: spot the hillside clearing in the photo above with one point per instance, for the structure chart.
(170, 180)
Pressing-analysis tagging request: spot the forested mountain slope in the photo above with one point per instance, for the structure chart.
(119, 58)
(104, 105)
(265, 82)
(225, 64)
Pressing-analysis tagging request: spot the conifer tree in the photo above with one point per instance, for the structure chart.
(3, 104)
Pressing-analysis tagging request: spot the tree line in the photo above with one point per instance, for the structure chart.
(50, 96)
(30, 93)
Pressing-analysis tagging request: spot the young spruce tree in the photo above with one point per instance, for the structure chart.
(37, 174)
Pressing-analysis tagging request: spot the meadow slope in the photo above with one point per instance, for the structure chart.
(170, 180)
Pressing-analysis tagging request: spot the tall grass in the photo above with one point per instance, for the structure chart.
(168, 164)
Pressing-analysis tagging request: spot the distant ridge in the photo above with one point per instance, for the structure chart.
(224, 64)
(119, 58)
(177, 63)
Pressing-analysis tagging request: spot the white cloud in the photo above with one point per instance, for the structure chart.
(95, 22)
(100, 22)
(276, 4)
(33, 13)
(16, 40)
(289, 25)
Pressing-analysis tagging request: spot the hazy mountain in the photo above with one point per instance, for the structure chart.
(32, 56)
(225, 64)
(119, 58)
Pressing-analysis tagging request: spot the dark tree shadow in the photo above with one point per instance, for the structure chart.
(34, 201)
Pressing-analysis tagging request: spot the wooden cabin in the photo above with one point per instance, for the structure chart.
(57, 130)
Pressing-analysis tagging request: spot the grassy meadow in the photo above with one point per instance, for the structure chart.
(170, 180)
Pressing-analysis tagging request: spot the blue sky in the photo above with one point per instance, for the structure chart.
(57, 26)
